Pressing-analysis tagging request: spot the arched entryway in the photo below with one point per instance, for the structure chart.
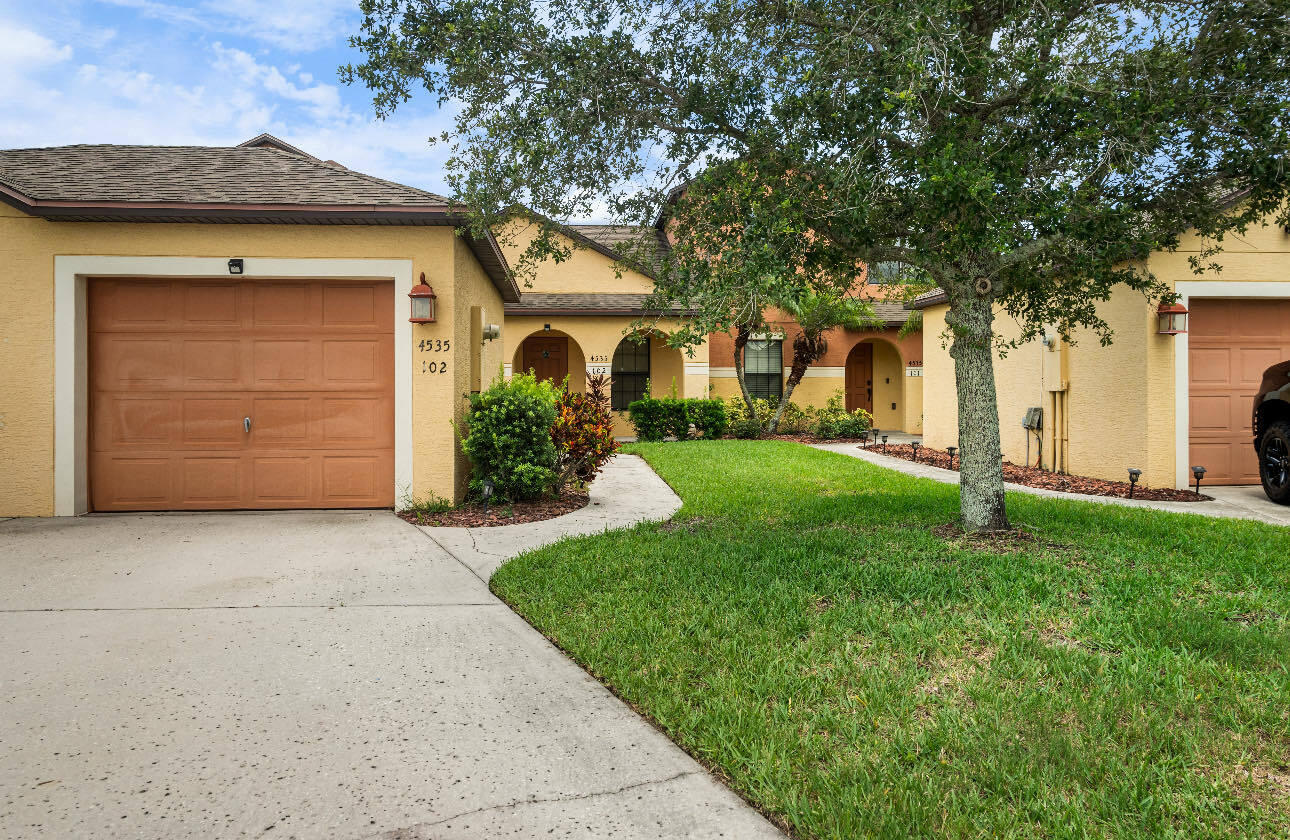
(552, 355)
(859, 378)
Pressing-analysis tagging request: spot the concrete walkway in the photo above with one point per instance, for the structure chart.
(310, 675)
(626, 492)
(1229, 502)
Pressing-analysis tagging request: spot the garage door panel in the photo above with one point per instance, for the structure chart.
(1212, 412)
(1231, 343)
(350, 479)
(283, 421)
(131, 483)
(123, 363)
(129, 420)
(214, 420)
(282, 480)
(211, 480)
(1211, 365)
(282, 304)
(210, 304)
(281, 362)
(310, 363)
(212, 362)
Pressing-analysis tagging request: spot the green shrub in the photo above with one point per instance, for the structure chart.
(649, 418)
(708, 416)
(656, 419)
(737, 410)
(834, 421)
(796, 420)
(746, 429)
(508, 438)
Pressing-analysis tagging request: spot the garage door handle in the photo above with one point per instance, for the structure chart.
(246, 424)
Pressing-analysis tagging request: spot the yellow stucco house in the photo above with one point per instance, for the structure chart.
(1154, 401)
(237, 327)
(578, 314)
(186, 327)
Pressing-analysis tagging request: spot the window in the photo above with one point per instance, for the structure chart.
(764, 368)
(629, 373)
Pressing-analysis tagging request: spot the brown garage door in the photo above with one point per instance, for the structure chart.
(180, 368)
(1231, 343)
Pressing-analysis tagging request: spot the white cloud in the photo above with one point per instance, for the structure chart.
(296, 25)
(24, 47)
(322, 101)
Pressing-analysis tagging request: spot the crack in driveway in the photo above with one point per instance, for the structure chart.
(413, 832)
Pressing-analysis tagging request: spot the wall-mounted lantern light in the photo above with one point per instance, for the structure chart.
(491, 332)
(422, 302)
(1173, 319)
(546, 328)
(1134, 475)
(235, 266)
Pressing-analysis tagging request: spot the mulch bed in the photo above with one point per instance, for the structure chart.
(473, 516)
(1043, 479)
(809, 438)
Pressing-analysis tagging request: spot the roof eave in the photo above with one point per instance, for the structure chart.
(928, 302)
(485, 249)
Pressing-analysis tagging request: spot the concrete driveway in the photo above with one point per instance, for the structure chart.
(308, 674)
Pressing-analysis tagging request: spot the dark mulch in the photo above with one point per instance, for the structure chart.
(997, 542)
(809, 438)
(1035, 477)
(473, 516)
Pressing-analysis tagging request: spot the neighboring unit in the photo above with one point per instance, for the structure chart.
(1173, 391)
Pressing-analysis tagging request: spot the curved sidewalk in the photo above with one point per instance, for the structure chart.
(627, 491)
(1229, 502)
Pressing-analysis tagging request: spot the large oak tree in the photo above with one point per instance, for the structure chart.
(1026, 156)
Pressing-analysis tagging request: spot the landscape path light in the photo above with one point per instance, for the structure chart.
(1199, 473)
(1134, 475)
(951, 450)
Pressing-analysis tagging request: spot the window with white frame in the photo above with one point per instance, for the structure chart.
(764, 368)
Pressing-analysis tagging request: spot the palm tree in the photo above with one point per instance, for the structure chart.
(817, 314)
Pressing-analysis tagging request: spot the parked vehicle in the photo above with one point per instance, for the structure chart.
(1272, 432)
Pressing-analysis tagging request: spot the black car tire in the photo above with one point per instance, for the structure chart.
(1274, 462)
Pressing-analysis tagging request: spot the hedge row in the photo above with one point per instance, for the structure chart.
(656, 419)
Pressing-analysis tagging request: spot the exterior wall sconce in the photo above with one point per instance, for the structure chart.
(546, 328)
(1134, 475)
(422, 302)
(491, 332)
(235, 266)
(1173, 319)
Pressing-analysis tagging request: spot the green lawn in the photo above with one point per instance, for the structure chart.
(801, 629)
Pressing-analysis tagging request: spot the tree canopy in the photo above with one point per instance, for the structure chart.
(1024, 155)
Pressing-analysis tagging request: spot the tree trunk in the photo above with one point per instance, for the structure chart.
(742, 335)
(806, 351)
(981, 502)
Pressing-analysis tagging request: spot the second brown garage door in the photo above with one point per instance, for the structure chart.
(228, 395)
(1231, 343)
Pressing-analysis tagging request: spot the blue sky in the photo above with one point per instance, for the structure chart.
(207, 72)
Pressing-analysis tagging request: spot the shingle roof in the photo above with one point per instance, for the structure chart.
(534, 303)
(893, 313)
(264, 181)
(926, 299)
(617, 240)
(256, 175)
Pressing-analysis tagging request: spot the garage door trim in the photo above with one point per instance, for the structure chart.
(1182, 373)
(71, 339)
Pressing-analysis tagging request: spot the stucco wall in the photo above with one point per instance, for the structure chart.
(1120, 405)
(891, 358)
(28, 246)
(585, 271)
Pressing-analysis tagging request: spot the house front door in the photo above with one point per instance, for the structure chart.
(547, 357)
(859, 378)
